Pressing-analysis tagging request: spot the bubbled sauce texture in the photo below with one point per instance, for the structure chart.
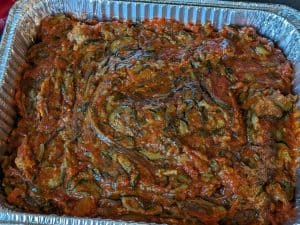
(154, 121)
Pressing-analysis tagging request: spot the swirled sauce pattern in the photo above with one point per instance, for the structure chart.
(154, 121)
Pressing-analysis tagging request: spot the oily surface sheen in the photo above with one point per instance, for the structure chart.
(154, 121)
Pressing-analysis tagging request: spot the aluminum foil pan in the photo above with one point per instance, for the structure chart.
(277, 22)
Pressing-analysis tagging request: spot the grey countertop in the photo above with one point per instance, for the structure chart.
(292, 3)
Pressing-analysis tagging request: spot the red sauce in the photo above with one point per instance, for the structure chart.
(155, 121)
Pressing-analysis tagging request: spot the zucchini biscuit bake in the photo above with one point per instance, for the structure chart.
(154, 121)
